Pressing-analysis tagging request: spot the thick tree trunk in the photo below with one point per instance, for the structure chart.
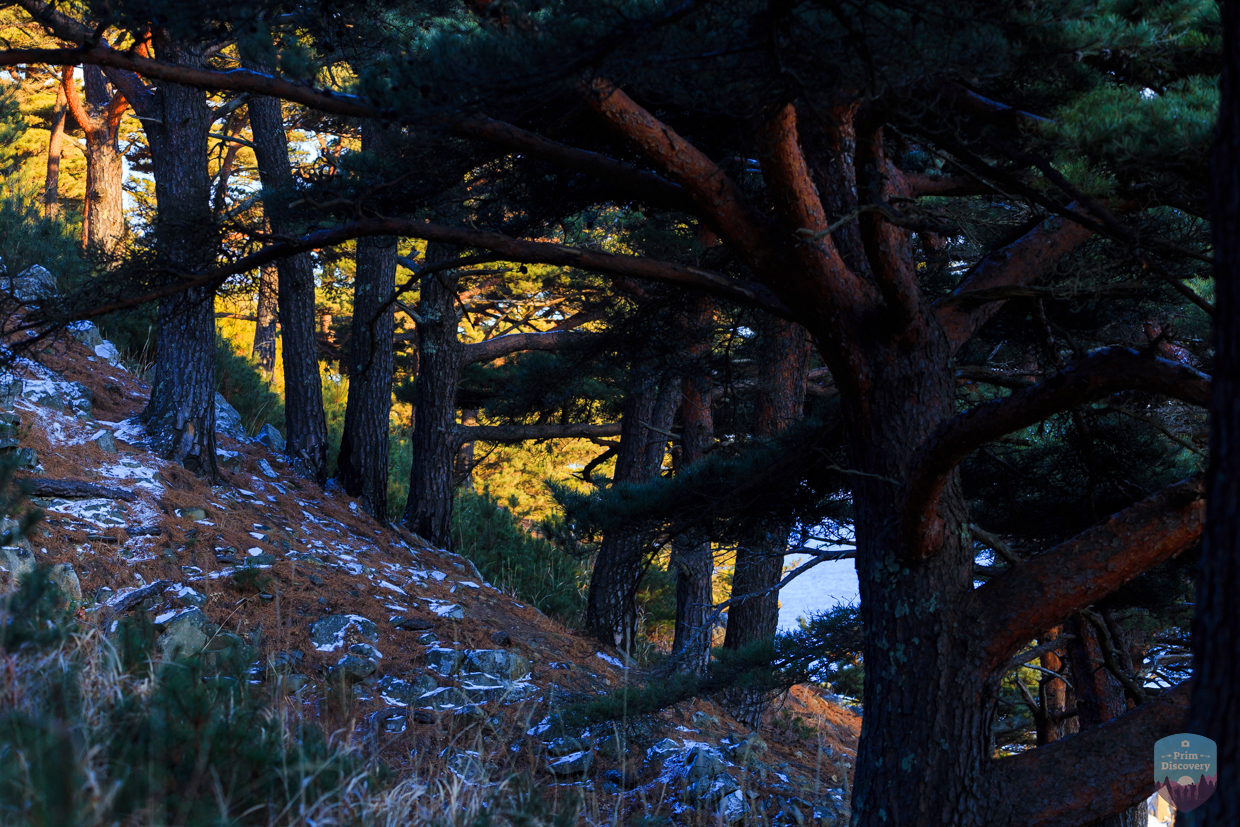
(428, 512)
(783, 365)
(465, 454)
(180, 416)
(611, 603)
(1216, 620)
(265, 319)
(103, 224)
(55, 147)
(692, 561)
(304, 420)
(362, 467)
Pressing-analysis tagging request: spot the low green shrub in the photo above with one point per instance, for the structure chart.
(238, 379)
(528, 567)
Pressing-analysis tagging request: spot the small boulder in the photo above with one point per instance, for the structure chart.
(352, 668)
(65, 579)
(446, 662)
(499, 663)
(227, 420)
(186, 633)
(31, 285)
(268, 435)
(108, 353)
(335, 631)
(402, 692)
(412, 624)
(576, 763)
(86, 333)
(106, 441)
(10, 388)
(732, 807)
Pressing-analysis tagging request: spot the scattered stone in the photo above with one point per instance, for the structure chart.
(108, 353)
(412, 624)
(406, 692)
(334, 631)
(286, 663)
(315, 580)
(31, 285)
(446, 662)
(365, 650)
(388, 722)
(701, 763)
(227, 420)
(268, 471)
(185, 633)
(422, 716)
(577, 763)
(661, 749)
(64, 578)
(428, 639)
(732, 807)
(352, 668)
(701, 719)
(501, 638)
(468, 767)
(43, 393)
(469, 715)
(291, 683)
(268, 435)
(499, 663)
(10, 388)
(86, 333)
(106, 441)
(559, 747)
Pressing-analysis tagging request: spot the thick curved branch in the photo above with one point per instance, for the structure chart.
(1031, 597)
(518, 342)
(89, 124)
(715, 194)
(521, 433)
(507, 248)
(624, 177)
(1098, 375)
(1087, 777)
(921, 185)
(1027, 260)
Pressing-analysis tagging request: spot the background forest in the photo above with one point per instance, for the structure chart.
(628, 301)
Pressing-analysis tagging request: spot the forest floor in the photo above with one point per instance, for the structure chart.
(372, 633)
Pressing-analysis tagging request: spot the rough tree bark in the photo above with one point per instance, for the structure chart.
(103, 221)
(55, 147)
(428, 511)
(692, 562)
(265, 318)
(180, 416)
(304, 419)
(783, 364)
(362, 467)
(1216, 621)
(611, 602)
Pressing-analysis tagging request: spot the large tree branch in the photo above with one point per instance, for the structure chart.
(1029, 259)
(507, 248)
(717, 197)
(1037, 594)
(499, 346)
(1098, 375)
(521, 433)
(626, 178)
(1087, 777)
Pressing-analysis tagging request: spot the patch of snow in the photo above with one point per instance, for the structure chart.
(616, 662)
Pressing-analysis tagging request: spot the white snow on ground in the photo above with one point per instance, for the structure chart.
(821, 588)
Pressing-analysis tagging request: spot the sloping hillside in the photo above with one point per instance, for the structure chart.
(362, 627)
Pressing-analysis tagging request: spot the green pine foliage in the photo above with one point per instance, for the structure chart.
(240, 382)
(515, 561)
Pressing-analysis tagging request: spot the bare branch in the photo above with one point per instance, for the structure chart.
(499, 346)
(1098, 375)
(521, 433)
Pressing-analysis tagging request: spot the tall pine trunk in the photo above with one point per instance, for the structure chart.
(265, 319)
(783, 366)
(692, 561)
(441, 358)
(363, 463)
(304, 420)
(103, 219)
(611, 602)
(55, 148)
(1216, 620)
(180, 416)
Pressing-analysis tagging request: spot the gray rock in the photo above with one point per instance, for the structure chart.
(406, 692)
(10, 388)
(446, 662)
(106, 441)
(108, 352)
(662, 749)
(576, 763)
(227, 420)
(31, 285)
(192, 513)
(732, 807)
(43, 393)
(184, 635)
(701, 763)
(499, 663)
(481, 689)
(291, 683)
(80, 398)
(272, 438)
(365, 650)
(17, 561)
(389, 722)
(334, 631)
(467, 767)
(428, 639)
(411, 624)
(710, 790)
(64, 578)
(86, 333)
(559, 747)
(701, 719)
(352, 668)
(26, 458)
